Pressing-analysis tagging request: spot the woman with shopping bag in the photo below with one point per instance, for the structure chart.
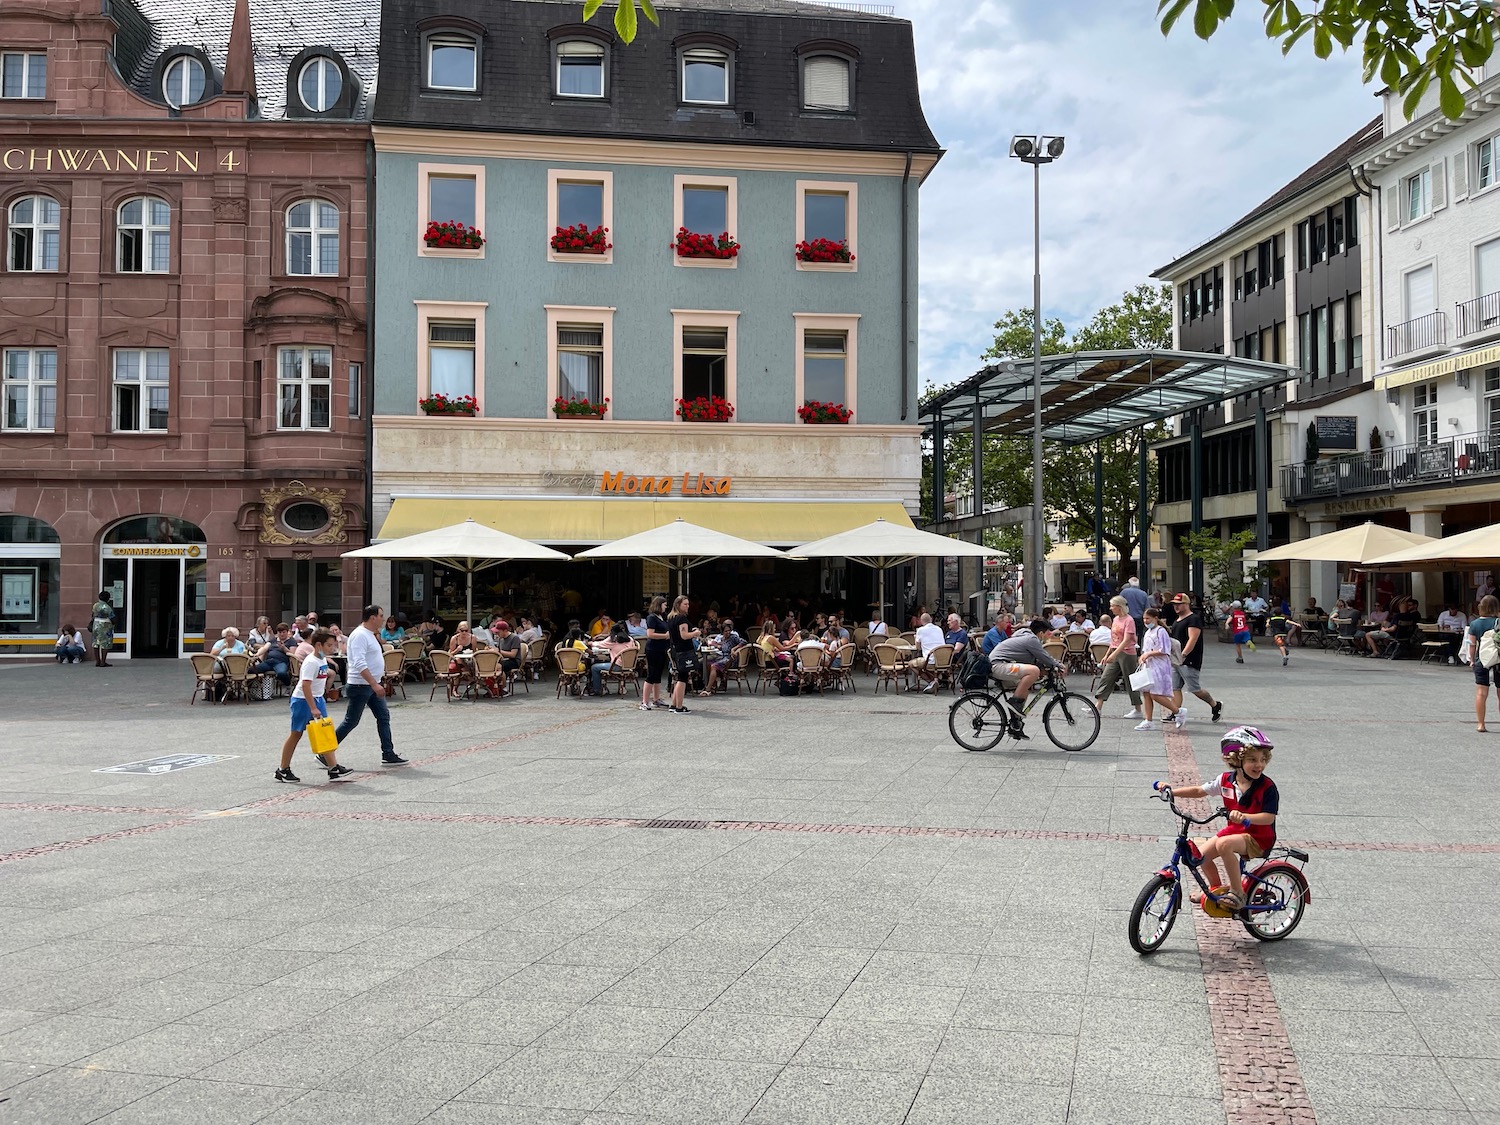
(1154, 676)
(310, 713)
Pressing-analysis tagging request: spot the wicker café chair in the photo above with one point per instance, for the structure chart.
(438, 664)
(624, 671)
(939, 669)
(236, 676)
(395, 672)
(414, 649)
(486, 673)
(844, 673)
(891, 668)
(570, 670)
(206, 677)
(738, 668)
(536, 660)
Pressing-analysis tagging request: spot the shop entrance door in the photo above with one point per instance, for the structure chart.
(155, 599)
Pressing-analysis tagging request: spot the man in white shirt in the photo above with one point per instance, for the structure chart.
(929, 636)
(1101, 635)
(1453, 619)
(1257, 610)
(1059, 619)
(1080, 623)
(366, 666)
(483, 635)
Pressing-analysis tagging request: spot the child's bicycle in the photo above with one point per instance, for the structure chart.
(981, 717)
(1276, 891)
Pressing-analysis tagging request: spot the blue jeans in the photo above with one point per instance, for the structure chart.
(360, 696)
(277, 668)
(70, 653)
(596, 676)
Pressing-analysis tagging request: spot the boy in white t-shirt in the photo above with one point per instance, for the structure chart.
(307, 704)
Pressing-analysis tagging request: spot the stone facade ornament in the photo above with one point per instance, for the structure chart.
(274, 501)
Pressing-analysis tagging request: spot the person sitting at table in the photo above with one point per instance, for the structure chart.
(529, 630)
(1452, 619)
(1400, 626)
(1059, 618)
(70, 648)
(777, 651)
(1345, 619)
(260, 634)
(835, 634)
(929, 636)
(730, 643)
(634, 626)
(228, 642)
(877, 627)
(463, 639)
(600, 626)
(995, 634)
(574, 638)
(957, 635)
(273, 658)
(1100, 634)
(304, 647)
(511, 650)
(391, 633)
(619, 640)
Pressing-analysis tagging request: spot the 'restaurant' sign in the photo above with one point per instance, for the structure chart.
(161, 161)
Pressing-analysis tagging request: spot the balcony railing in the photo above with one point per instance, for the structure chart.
(1430, 331)
(1466, 457)
(1482, 314)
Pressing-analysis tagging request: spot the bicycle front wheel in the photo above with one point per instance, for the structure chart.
(1276, 902)
(1154, 912)
(1071, 721)
(977, 721)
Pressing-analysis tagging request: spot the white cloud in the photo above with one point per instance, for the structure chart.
(1168, 142)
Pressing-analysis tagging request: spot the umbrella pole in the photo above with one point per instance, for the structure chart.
(469, 574)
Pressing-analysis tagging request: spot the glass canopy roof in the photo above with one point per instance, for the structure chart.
(1091, 395)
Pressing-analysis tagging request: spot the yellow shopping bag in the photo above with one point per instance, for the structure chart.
(321, 737)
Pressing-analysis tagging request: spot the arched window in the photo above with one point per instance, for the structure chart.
(144, 235)
(26, 529)
(320, 84)
(580, 69)
(154, 529)
(705, 76)
(35, 233)
(452, 61)
(183, 81)
(825, 83)
(312, 238)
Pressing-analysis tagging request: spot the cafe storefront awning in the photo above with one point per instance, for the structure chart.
(588, 520)
(1436, 369)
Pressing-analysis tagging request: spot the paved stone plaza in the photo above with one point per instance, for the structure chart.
(858, 923)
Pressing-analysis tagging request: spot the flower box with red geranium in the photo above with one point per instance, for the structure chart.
(824, 250)
(581, 239)
(449, 404)
(705, 408)
(579, 407)
(452, 236)
(815, 413)
(691, 245)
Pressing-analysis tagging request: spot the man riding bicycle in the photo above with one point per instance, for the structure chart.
(1018, 663)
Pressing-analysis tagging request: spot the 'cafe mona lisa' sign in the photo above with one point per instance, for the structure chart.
(689, 484)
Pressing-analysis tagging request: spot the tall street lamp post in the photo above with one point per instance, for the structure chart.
(1036, 151)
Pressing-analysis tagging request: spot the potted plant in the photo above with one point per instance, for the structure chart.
(452, 235)
(705, 408)
(578, 407)
(443, 404)
(816, 413)
(580, 239)
(824, 250)
(690, 245)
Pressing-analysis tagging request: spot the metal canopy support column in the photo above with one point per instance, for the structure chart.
(1099, 509)
(1262, 488)
(938, 482)
(1144, 521)
(978, 494)
(1195, 472)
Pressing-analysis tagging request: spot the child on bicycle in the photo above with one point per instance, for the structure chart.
(1251, 799)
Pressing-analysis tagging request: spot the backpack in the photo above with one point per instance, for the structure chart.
(1489, 649)
(788, 685)
(974, 672)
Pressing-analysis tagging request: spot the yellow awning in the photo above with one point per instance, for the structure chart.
(586, 520)
(1460, 361)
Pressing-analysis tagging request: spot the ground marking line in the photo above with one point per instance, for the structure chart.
(1258, 1070)
(85, 841)
(41, 806)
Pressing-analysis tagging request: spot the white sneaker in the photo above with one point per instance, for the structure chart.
(1134, 713)
(931, 687)
(1179, 720)
(1147, 725)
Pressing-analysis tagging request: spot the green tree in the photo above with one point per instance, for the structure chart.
(1224, 574)
(1407, 44)
(625, 18)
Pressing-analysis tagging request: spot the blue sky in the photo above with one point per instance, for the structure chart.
(1168, 142)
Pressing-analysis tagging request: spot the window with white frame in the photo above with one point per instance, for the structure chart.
(142, 389)
(580, 203)
(825, 83)
(705, 362)
(1424, 413)
(452, 199)
(304, 388)
(827, 224)
(35, 234)
(184, 81)
(320, 84)
(705, 208)
(580, 362)
(705, 76)
(825, 363)
(30, 389)
(312, 238)
(1492, 401)
(452, 62)
(450, 357)
(580, 69)
(1418, 195)
(144, 236)
(23, 74)
(825, 214)
(1485, 172)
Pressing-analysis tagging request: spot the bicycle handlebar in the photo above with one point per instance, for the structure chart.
(1165, 794)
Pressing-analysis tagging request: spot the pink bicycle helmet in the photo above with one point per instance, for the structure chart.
(1243, 738)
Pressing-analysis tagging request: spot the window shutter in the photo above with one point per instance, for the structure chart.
(1392, 208)
(1439, 185)
(1461, 176)
(826, 83)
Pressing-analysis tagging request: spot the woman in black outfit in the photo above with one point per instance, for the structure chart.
(657, 643)
(684, 655)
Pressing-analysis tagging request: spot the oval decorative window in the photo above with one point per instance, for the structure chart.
(306, 517)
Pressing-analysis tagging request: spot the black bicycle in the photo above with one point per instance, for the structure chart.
(981, 717)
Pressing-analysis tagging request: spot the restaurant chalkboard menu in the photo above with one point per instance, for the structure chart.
(1338, 431)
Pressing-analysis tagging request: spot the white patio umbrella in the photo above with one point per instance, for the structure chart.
(1360, 544)
(466, 546)
(1478, 549)
(682, 546)
(883, 545)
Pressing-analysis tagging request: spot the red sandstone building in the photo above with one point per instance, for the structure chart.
(183, 315)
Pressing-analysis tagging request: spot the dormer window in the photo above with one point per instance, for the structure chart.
(320, 84)
(825, 83)
(452, 62)
(705, 76)
(580, 69)
(183, 81)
